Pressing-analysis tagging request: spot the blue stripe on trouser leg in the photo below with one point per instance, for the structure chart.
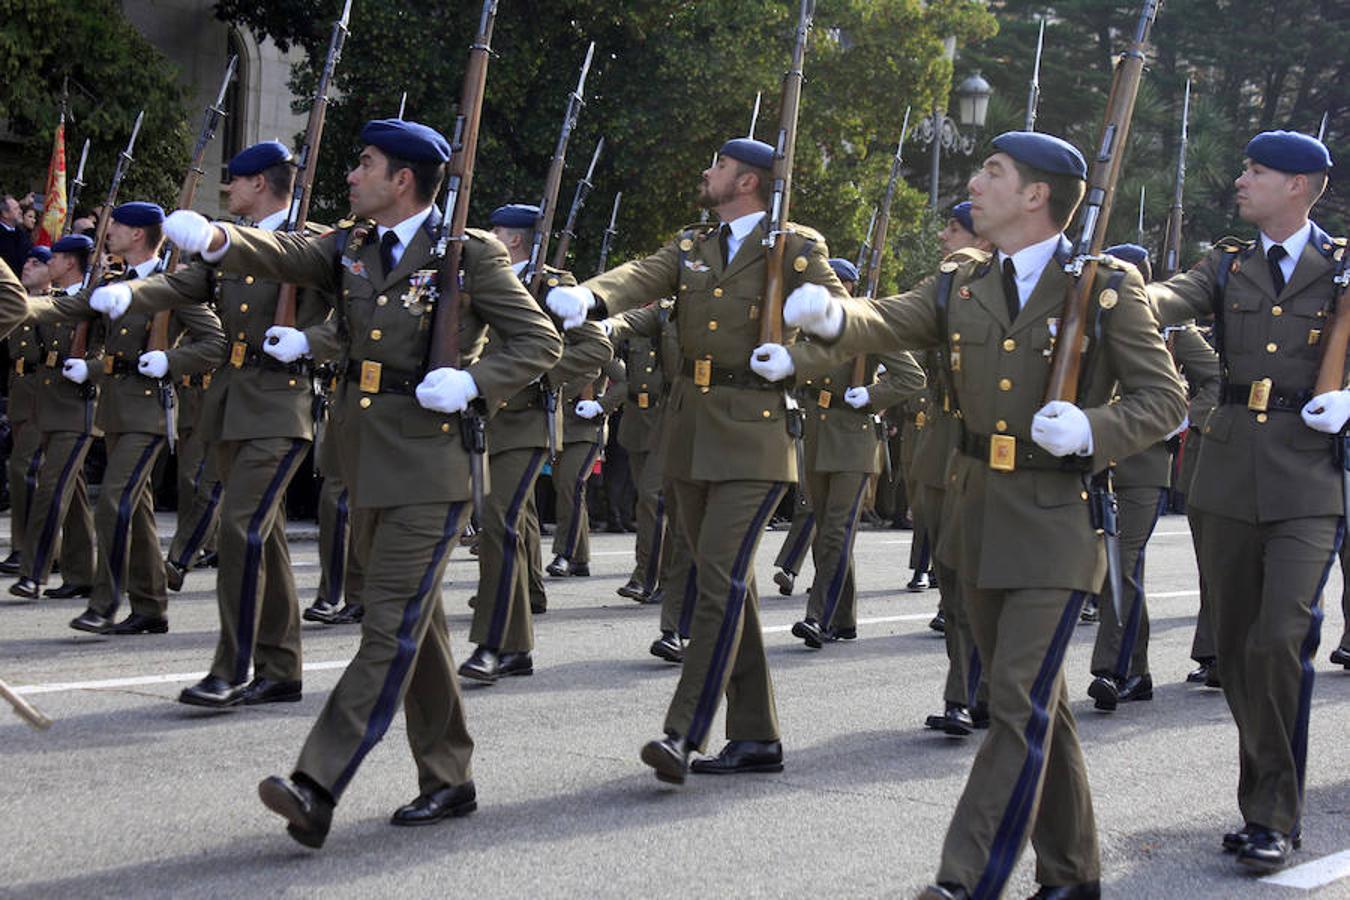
(248, 595)
(501, 607)
(974, 670)
(690, 601)
(579, 502)
(194, 541)
(337, 558)
(711, 694)
(797, 554)
(1130, 635)
(30, 481)
(925, 555)
(1017, 815)
(122, 526)
(1311, 640)
(658, 545)
(845, 558)
(386, 704)
(52, 522)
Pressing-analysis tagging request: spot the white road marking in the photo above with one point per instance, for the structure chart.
(1313, 874)
(913, 617)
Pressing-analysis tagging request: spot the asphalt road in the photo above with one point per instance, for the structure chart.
(132, 794)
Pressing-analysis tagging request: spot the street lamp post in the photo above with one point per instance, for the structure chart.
(972, 97)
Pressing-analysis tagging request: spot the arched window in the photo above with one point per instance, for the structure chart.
(232, 130)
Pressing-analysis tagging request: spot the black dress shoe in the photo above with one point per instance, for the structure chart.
(613, 526)
(944, 890)
(1341, 657)
(213, 692)
(918, 583)
(264, 690)
(809, 631)
(957, 721)
(668, 647)
(655, 597)
(1233, 841)
(938, 623)
(1090, 615)
(1265, 850)
(669, 757)
(1200, 672)
(517, 663)
(1212, 678)
(558, 568)
(25, 587)
(579, 570)
(742, 756)
(445, 803)
(307, 808)
(207, 561)
(1105, 692)
(979, 714)
(12, 564)
(633, 590)
(785, 580)
(482, 666)
(320, 611)
(136, 623)
(174, 575)
(1137, 687)
(350, 614)
(68, 591)
(841, 634)
(1088, 890)
(538, 609)
(92, 622)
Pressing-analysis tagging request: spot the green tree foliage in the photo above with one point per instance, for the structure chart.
(112, 73)
(670, 83)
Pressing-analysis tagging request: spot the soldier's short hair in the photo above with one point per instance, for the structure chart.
(765, 189)
(526, 235)
(1066, 191)
(154, 235)
(280, 178)
(427, 175)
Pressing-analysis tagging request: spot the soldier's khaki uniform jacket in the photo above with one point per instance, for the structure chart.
(604, 391)
(13, 300)
(251, 395)
(651, 362)
(840, 438)
(937, 431)
(26, 355)
(1030, 527)
(1262, 466)
(129, 402)
(60, 402)
(721, 432)
(394, 452)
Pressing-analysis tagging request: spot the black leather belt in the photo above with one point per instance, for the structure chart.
(1019, 454)
(244, 356)
(377, 378)
(114, 366)
(1275, 399)
(705, 374)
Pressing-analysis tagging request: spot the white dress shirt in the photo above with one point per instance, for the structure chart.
(1293, 248)
(406, 231)
(738, 230)
(1029, 262)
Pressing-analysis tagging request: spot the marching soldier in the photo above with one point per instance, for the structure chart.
(131, 413)
(256, 416)
(340, 569)
(13, 300)
(510, 572)
(842, 447)
(1017, 487)
(401, 452)
(199, 487)
(801, 534)
(25, 455)
(61, 522)
(1267, 489)
(730, 454)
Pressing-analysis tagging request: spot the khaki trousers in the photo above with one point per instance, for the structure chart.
(61, 522)
(1121, 648)
(124, 521)
(571, 471)
(501, 615)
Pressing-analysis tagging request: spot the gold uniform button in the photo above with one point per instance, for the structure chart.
(649, 370)
(766, 413)
(827, 379)
(1262, 417)
(956, 336)
(712, 325)
(553, 282)
(1272, 347)
(799, 264)
(445, 427)
(822, 416)
(381, 300)
(1082, 495)
(717, 292)
(291, 382)
(376, 334)
(1000, 426)
(1005, 384)
(243, 307)
(1277, 310)
(686, 245)
(365, 402)
(242, 336)
(1009, 345)
(123, 331)
(248, 279)
(147, 393)
(684, 287)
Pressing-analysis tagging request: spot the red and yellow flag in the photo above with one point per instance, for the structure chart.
(54, 208)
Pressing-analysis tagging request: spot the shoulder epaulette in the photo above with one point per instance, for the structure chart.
(478, 234)
(1232, 244)
(1113, 262)
(695, 230)
(965, 255)
(804, 231)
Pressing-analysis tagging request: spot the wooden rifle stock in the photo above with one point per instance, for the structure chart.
(1336, 342)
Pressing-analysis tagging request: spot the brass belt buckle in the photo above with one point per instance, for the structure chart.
(1002, 452)
(187, 381)
(206, 380)
(238, 352)
(1259, 398)
(52, 359)
(107, 365)
(370, 376)
(703, 372)
(18, 366)
(1314, 336)
(920, 420)
(823, 401)
(644, 400)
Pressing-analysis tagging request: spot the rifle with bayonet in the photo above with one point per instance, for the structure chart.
(865, 251)
(1171, 250)
(1103, 177)
(79, 342)
(584, 188)
(1034, 91)
(76, 187)
(443, 349)
(607, 243)
(159, 325)
(1331, 374)
(785, 149)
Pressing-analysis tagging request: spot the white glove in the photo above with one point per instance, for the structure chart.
(447, 390)
(1062, 429)
(571, 304)
(1185, 423)
(812, 309)
(112, 299)
(76, 370)
(771, 362)
(589, 409)
(153, 363)
(1327, 412)
(189, 231)
(285, 344)
(857, 397)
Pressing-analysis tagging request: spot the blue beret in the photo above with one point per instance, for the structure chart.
(1131, 253)
(41, 254)
(252, 160)
(407, 140)
(74, 243)
(749, 150)
(138, 214)
(514, 215)
(1043, 151)
(961, 213)
(1289, 151)
(846, 270)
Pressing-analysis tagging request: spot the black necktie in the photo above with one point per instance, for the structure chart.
(387, 245)
(1273, 257)
(723, 241)
(1010, 289)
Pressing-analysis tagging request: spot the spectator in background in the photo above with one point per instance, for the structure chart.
(14, 238)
